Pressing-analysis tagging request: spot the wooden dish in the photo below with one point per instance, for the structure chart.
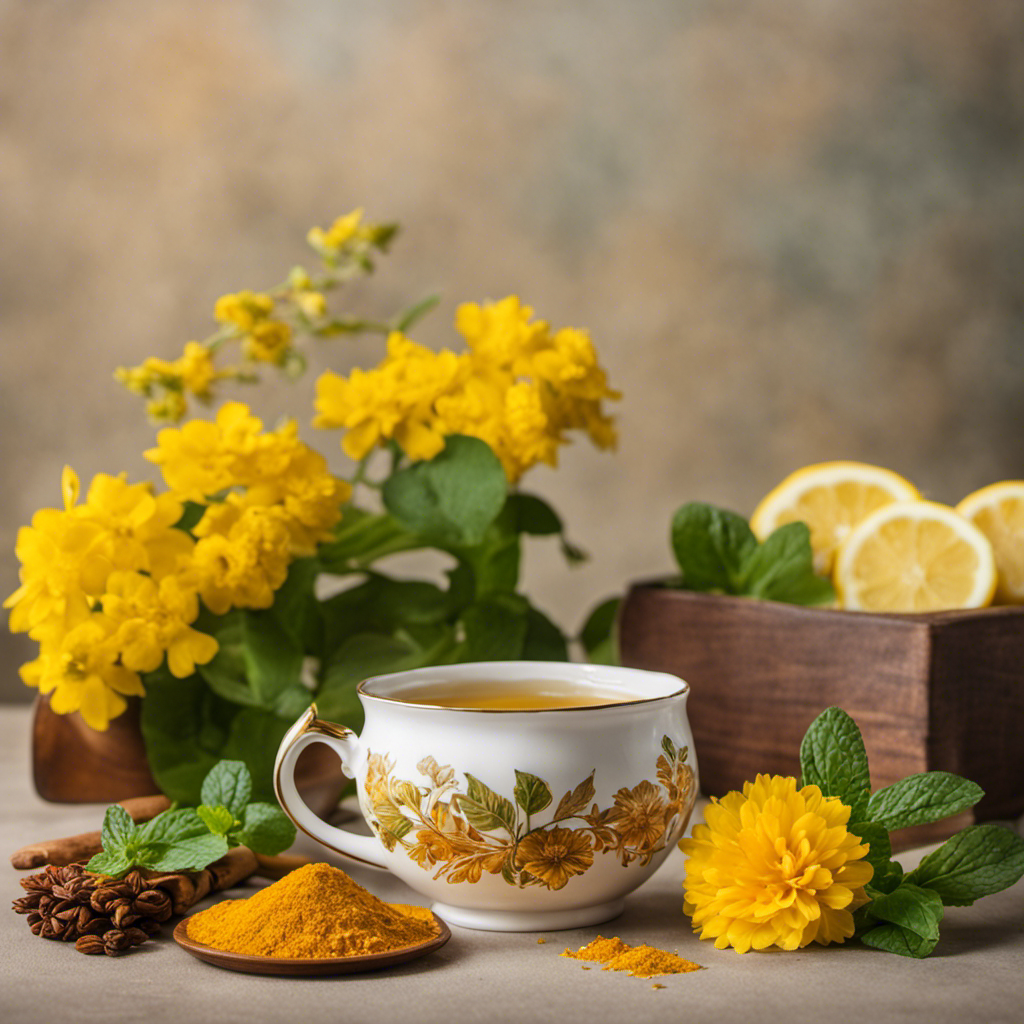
(307, 967)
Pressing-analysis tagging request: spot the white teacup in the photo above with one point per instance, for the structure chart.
(511, 820)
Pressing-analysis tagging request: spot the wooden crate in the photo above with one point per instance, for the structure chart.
(938, 691)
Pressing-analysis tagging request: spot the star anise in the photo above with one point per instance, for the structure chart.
(98, 914)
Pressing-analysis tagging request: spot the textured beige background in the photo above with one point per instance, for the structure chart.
(793, 226)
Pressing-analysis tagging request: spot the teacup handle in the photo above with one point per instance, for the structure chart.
(310, 729)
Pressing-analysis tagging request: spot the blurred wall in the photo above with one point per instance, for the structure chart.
(794, 227)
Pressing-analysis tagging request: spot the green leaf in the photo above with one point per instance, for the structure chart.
(361, 538)
(265, 829)
(782, 569)
(891, 938)
(118, 829)
(976, 862)
(171, 826)
(188, 728)
(534, 515)
(296, 607)
(711, 546)
(598, 633)
(913, 908)
(669, 747)
(880, 848)
(114, 863)
(832, 757)
(188, 855)
(919, 799)
(544, 641)
(531, 792)
(887, 876)
(486, 810)
(392, 818)
(219, 820)
(454, 497)
(495, 628)
(228, 785)
(273, 658)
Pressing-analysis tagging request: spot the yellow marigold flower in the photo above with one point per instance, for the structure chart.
(151, 619)
(395, 400)
(242, 556)
(83, 674)
(64, 567)
(502, 332)
(243, 309)
(138, 525)
(268, 342)
(344, 230)
(201, 459)
(570, 366)
(526, 435)
(556, 854)
(774, 866)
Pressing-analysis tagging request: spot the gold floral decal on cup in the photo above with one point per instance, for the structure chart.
(465, 834)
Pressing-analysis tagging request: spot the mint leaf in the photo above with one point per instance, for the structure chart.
(892, 938)
(711, 546)
(188, 855)
(228, 784)
(171, 826)
(911, 907)
(218, 820)
(114, 864)
(919, 799)
(976, 862)
(495, 628)
(832, 757)
(118, 829)
(782, 569)
(879, 854)
(265, 829)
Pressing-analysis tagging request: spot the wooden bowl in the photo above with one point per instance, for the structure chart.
(935, 691)
(307, 967)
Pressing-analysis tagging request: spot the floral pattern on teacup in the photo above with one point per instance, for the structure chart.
(461, 835)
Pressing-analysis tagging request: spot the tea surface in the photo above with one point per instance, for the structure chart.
(521, 695)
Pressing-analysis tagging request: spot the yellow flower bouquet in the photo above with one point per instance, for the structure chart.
(206, 599)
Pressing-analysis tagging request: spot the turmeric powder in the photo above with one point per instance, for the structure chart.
(640, 961)
(315, 912)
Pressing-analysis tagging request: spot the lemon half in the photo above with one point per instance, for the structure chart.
(831, 498)
(998, 511)
(915, 556)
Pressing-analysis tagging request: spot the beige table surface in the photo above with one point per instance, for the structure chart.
(975, 974)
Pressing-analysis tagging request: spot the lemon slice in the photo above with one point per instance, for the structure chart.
(998, 511)
(831, 498)
(915, 556)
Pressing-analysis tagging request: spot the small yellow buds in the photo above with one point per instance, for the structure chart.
(268, 342)
(166, 384)
(343, 231)
(243, 309)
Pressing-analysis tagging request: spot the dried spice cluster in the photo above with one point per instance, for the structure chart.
(98, 914)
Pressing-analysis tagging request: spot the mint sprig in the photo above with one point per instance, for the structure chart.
(190, 838)
(905, 910)
(717, 552)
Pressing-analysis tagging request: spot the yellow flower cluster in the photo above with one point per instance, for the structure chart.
(520, 387)
(106, 591)
(269, 498)
(167, 384)
(774, 866)
(110, 587)
(265, 339)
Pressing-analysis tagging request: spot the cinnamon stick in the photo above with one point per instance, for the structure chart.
(188, 887)
(69, 849)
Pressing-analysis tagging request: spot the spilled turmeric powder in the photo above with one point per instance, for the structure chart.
(641, 961)
(315, 912)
